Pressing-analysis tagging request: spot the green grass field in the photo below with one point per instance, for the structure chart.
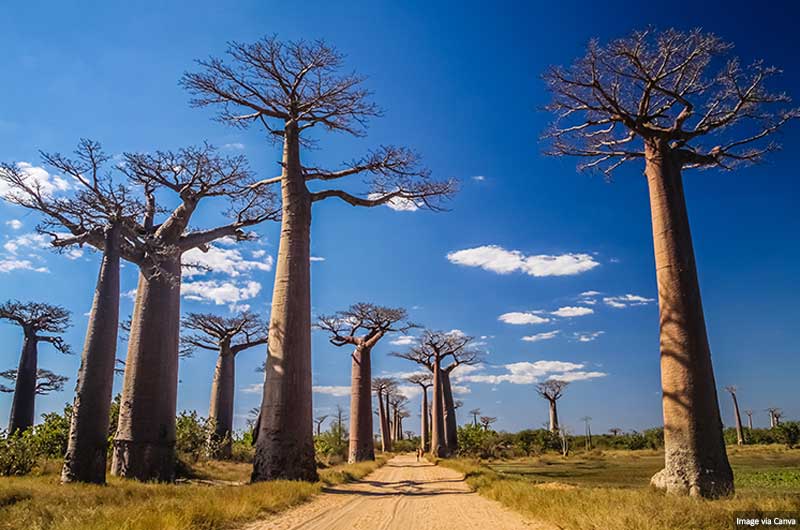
(217, 498)
(594, 491)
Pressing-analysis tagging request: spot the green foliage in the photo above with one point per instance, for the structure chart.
(406, 445)
(18, 454)
(788, 433)
(192, 433)
(242, 449)
(51, 436)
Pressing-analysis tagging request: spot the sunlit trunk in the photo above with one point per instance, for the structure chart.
(739, 432)
(362, 446)
(450, 422)
(285, 446)
(553, 415)
(386, 441)
(438, 448)
(24, 400)
(220, 410)
(144, 446)
(423, 430)
(695, 460)
(85, 460)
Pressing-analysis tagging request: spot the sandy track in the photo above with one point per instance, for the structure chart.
(403, 494)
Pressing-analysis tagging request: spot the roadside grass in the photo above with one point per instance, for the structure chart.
(39, 502)
(611, 490)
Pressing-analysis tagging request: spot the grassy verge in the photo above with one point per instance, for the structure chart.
(40, 503)
(598, 491)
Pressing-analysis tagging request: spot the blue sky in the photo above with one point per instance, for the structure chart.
(459, 82)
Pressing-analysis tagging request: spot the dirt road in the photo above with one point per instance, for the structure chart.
(404, 495)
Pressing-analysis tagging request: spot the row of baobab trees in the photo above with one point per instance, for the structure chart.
(670, 100)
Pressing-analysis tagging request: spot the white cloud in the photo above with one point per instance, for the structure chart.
(410, 391)
(337, 391)
(234, 145)
(590, 293)
(580, 376)
(572, 311)
(73, 253)
(15, 224)
(497, 259)
(627, 300)
(37, 176)
(404, 340)
(520, 318)
(460, 389)
(588, 336)
(524, 373)
(316, 258)
(220, 292)
(130, 294)
(479, 178)
(259, 253)
(222, 260)
(541, 336)
(255, 388)
(30, 240)
(8, 265)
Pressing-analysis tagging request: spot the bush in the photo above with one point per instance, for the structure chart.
(17, 453)
(788, 433)
(51, 436)
(192, 433)
(242, 449)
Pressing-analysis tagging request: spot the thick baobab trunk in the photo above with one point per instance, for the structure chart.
(85, 460)
(438, 447)
(423, 430)
(24, 401)
(553, 415)
(361, 445)
(450, 422)
(695, 459)
(285, 446)
(739, 432)
(220, 409)
(144, 446)
(383, 412)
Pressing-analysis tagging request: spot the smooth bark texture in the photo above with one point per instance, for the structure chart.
(695, 461)
(144, 446)
(423, 431)
(450, 422)
(220, 409)
(24, 400)
(362, 446)
(438, 446)
(386, 440)
(738, 417)
(85, 460)
(285, 445)
(553, 415)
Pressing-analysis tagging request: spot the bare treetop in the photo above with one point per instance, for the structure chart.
(294, 86)
(238, 333)
(383, 384)
(487, 420)
(36, 316)
(441, 344)
(671, 87)
(423, 380)
(364, 324)
(46, 381)
(552, 389)
(731, 389)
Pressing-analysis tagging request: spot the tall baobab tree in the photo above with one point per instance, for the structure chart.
(665, 98)
(396, 401)
(487, 421)
(424, 381)
(362, 325)
(432, 350)
(774, 417)
(290, 89)
(144, 445)
(227, 336)
(383, 386)
(552, 390)
(749, 419)
(46, 381)
(40, 323)
(318, 421)
(587, 432)
(475, 413)
(739, 434)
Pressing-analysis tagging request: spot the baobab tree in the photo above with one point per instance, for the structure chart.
(552, 390)
(383, 386)
(99, 212)
(749, 419)
(433, 348)
(46, 381)
(318, 421)
(340, 419)
(739, 434)
(587, 432)
(227, 336)
(361, 326)
(40, 323)
(396, 401)
(615, 431)
(144, 445)
(487, 421)
(671, 100)
(774, 417)
(424, 381)
(475, 413)
(291, 89)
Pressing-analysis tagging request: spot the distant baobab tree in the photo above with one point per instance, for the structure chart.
(362, 325)
(424, 381)
(227, 336)
(774, 417)
(749, 419)
(318, 421)
(383, 386)
(587, 432)
(475, 413)
(46, 381)
(552, 390)
(40, 322)
(739, 434)
(340, 419)
(665, 98)
(397, 402)
(487, 421)
(290, 88)
(615, 431)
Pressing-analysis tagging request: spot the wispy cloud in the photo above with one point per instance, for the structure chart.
(538, 337)
(337, 391)
(222, 260)
(14, 224)
(588, 336)
(221, 292)
(479, 178)
(525, 373)
(497, 259)
(234, 145)
(9, 265)
(403, 340)
(47, 183)
(521, 318)
(572, 311)
(316, 258)
(627, 300)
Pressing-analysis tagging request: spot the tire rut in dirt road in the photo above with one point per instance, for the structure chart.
(402, 495)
